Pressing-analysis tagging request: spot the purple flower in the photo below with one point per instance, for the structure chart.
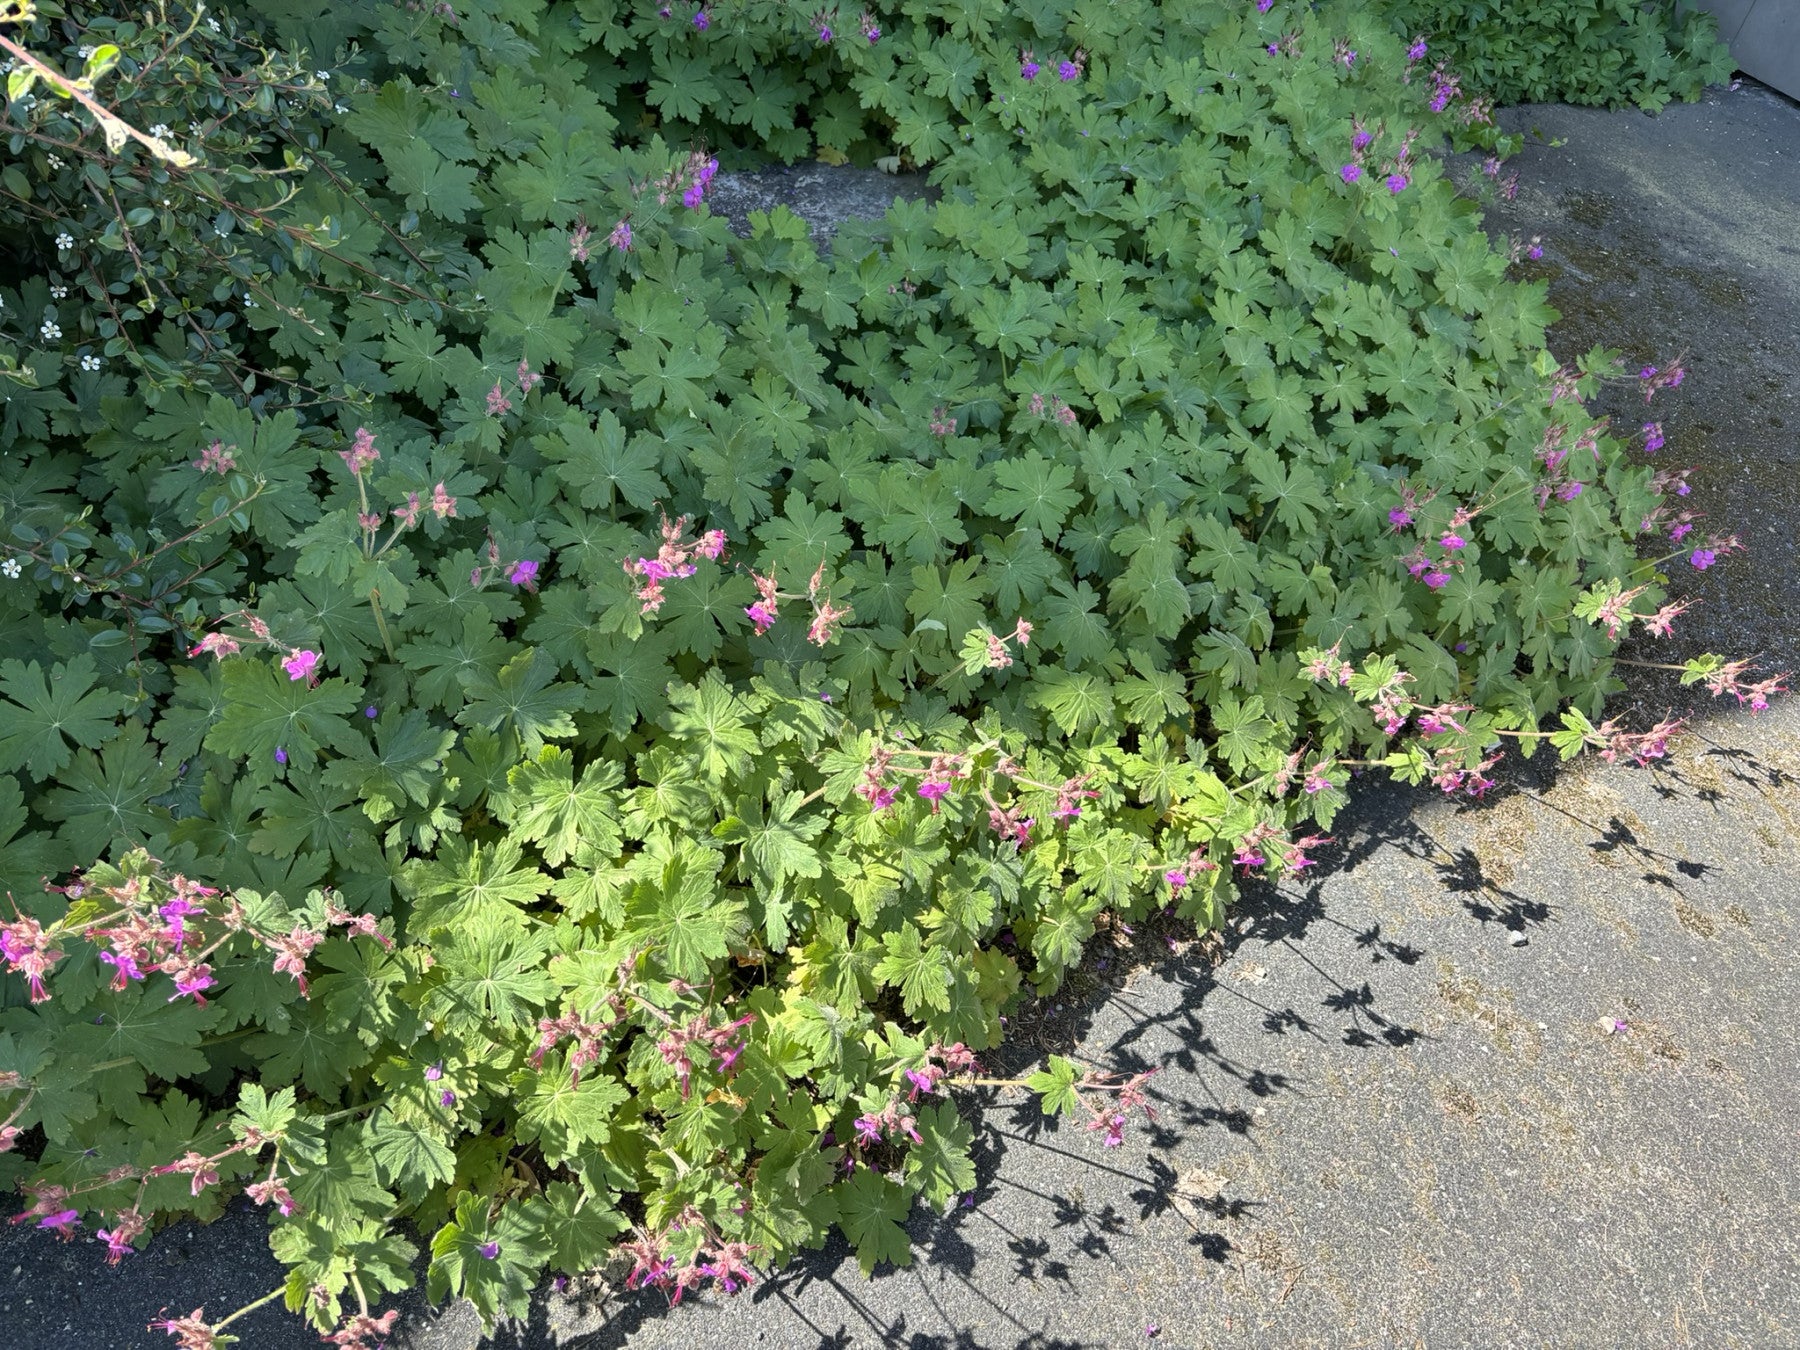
(524, 573)
(934, 791)
(1263, 6)
(824, 33)
(280, 755)
(1647, 373)
(1067, 71)
(1350, 172)
(1653, 436)
(435, 1072)
(1028, 70)
(1274, 50)
(1453, 542)
(701, 21)
(1570, 491)
(1435, 580)
(65, 1222)
(1535, 252)
(762, 616)
(883, 798)
(1703, 558)
(117, 1245)
(1361, 140)
(489, 1250)
(1396, 183)
(127, 968)
(1416, 52)
(192, 983)
(447, 1098)
(1176, 878)
(371, 712)
(872, 33)
(868, 1130)
(922, 1082)
(1399, 518)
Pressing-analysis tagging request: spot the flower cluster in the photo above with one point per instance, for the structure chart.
(680, 1044)
(673, 561)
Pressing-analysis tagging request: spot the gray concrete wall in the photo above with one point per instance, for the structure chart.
(1764, 37)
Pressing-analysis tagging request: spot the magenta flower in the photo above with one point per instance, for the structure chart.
(1350, 172)
(1570, 491)
(1681, 531)
(1396, 183)
(64, 1223)
(117, 1244)
(434, 1072)
(1703, 558)
(1399, 519)
(868, 1130)
(193, 982)
(1176, 878)
(524, 573)
(301, 666)
(883, 799)
(1435, 580)
(1453, 542)
(934, 792)
(762, 616)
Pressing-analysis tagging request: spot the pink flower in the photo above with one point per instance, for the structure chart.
(524, 573)
(883, 798)
(362, 453)
(1435, 580)
(302, 665)
(1453, 542)
(215, 644)
(498, 404)
(934, 792)
(763, 616)
(1176, 878)
(711, 544)
(620, 238)
(1399, 518)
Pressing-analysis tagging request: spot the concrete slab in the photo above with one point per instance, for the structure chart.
(1767, 44)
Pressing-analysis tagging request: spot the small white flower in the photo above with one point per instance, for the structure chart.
(249, 303)
(194, 127)
(84, 52)
(167, 202)
(321, 74)
(213, 24)
(50, 331)
(221, 231)
(160, 130)
(64, 242)
(11, 568)
(91, 363)
(339, 107)
(56, 161)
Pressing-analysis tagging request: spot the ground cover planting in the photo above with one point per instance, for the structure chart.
(560, 730)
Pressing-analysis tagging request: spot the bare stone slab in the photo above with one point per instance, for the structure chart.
(823, 195)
